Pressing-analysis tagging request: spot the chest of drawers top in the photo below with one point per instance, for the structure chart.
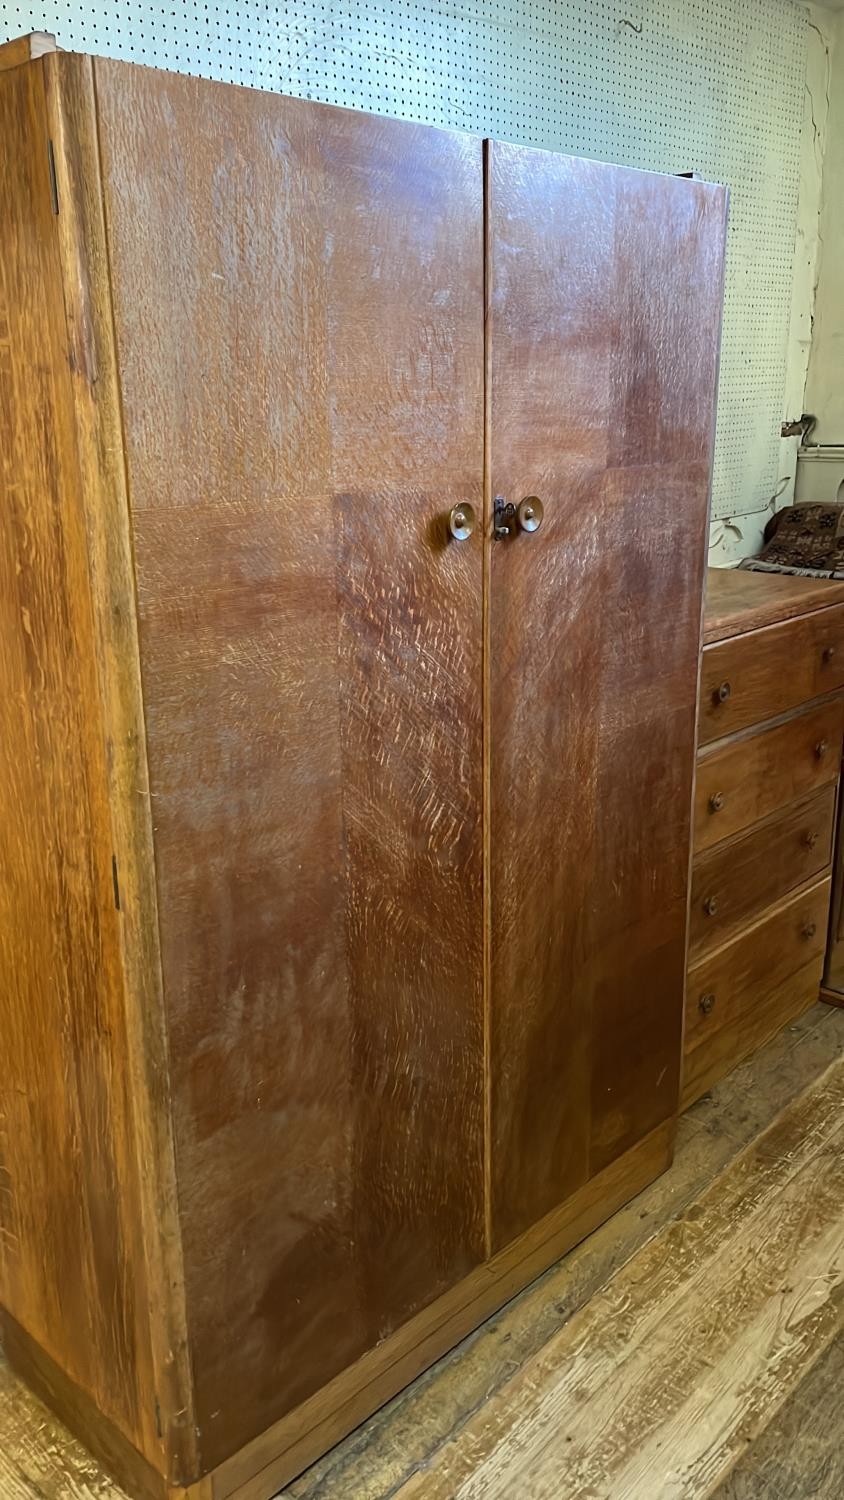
(737, 602)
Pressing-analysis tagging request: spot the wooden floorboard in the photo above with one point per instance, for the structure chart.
(39, 1460)
(376, 1460)
(801, 1454)
(437, 1437)
(653, 1388)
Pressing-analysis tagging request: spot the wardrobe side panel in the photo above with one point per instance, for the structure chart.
(299, 316)
(605, 311)
(72, 119)
(71, 1267)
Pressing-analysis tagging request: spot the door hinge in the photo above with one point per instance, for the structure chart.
(54, 186)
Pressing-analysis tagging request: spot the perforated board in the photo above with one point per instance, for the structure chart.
(668, 85)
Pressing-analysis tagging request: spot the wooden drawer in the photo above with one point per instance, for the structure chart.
(743, 782)
(733, 883)
(767, 672)
(721, 989)
(720, 1051)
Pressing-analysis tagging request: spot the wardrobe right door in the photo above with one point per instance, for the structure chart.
(605, 292)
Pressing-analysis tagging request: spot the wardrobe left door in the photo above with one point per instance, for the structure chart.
(298, 308)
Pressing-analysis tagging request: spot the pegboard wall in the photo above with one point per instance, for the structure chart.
(668, 85)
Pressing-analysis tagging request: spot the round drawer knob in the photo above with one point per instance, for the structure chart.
(810, 838)
(808, 930)
(722, 692)
(716, 802)
(821, 749)
(828, 653)
(710, 906)
(706, 1004)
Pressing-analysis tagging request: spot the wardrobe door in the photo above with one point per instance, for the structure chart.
(605, 305)
(298, 301)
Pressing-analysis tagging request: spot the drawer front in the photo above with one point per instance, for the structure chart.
(739, 784)
(722, 989)
(768, 672)
(722, 1050)
(733, 883)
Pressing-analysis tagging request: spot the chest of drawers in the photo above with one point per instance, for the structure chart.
(770, 721)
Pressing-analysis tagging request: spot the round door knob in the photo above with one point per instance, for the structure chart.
(821, 749)
(810, 838)
(808, 930)
(716, 802)
(530, 513)
(461, 521)
(722, 692)
(706, 1004)
(710, 906)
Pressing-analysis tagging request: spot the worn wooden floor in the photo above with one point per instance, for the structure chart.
(693, 1346)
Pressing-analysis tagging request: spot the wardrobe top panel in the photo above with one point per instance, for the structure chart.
(36, 44)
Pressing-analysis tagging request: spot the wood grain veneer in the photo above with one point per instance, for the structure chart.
(733, 980)
(310, 645)
(261, 1467)
(746, 779)
(771, 716)
(89, 336)
(767, 672)
(72, 1270)
(753, 1026)
(24, 49)
(603, 373)
(320, 901)
(738, 601)
(733, 882)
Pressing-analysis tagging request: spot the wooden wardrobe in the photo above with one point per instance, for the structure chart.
(346, 808)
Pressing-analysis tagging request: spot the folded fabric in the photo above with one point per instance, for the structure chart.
(807, 538)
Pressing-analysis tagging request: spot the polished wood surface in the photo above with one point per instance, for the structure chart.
(738, 601)
(765, 673)
(306, 982)
(72, 1267)
(735, 979)
(301, 358)
(603, 323)
(736, 880)
(749, 778)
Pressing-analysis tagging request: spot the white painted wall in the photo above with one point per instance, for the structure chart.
(825, 383)
(820, 217)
